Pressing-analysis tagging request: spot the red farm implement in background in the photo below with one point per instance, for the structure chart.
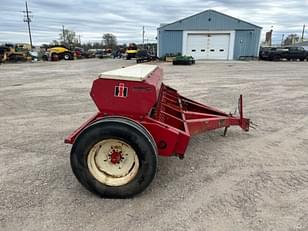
(114, 153)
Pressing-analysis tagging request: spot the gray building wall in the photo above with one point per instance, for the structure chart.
(172, 42)
(246, 43)
(247, 36)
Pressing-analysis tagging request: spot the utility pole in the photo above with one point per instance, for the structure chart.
(147, 43)
(63, 35)
(143, 37)
(27, 19)
(303, 33)
(282, 37)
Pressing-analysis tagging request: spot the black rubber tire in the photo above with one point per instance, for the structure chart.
(45, 58)
(128, 131)
(16, 58)
(67, 56)
(54, 57)
(277, 58)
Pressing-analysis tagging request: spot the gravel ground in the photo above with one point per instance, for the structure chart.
(245, 181)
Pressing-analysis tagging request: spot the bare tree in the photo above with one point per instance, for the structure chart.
(54, 43)
(109, 41)
(97, 45)
(68, 38)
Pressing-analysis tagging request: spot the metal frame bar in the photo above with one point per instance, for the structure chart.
(192, 117)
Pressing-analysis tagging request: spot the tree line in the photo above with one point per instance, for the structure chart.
(69, 39)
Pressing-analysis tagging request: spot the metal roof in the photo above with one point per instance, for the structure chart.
(207, 11)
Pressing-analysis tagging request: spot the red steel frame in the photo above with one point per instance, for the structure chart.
(171, 120)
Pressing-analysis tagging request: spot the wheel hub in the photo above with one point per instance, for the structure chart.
(113, 162)
(116, 157)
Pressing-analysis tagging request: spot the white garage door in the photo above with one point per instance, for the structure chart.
(208, 46)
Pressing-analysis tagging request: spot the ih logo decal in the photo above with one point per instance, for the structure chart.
(121, 90)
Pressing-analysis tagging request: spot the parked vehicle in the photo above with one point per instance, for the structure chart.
(15, 52)
(91, 53)
(131, 51)
(100, 53)
(79, 53)
(278, 53)
(57, 53)
(34, 55)
(183, 60)
(3, 52)
(144, 56)
(117, 54)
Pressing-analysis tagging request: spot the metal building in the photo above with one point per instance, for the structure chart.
(209, 35)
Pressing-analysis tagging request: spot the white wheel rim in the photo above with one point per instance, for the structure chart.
(113, 162)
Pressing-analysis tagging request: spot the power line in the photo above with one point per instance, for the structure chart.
(27, 18)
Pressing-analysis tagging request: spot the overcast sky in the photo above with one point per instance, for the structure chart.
(92, 18)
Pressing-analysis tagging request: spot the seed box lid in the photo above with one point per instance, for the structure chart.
(138, 72)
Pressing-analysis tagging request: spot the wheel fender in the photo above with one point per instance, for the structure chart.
(119, 119)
